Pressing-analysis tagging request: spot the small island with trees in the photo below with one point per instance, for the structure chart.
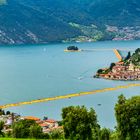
(72, 49)
(127, 69)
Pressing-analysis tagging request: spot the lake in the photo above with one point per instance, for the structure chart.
(39, 71)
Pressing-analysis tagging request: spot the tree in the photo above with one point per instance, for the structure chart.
(35, 131)
(128, 56)
(128, 118)
(78, 122)
(111, 66)
(95, 133)
(8, 112)
(114, 135)
(99, 71)
(18, 131)
(2, 112)
(1, 128)
(104, 134)
(137, 50)
(74, 48)
(45, 118)
(57, 134)
(25, 129)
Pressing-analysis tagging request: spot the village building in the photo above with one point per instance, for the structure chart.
(123, 72)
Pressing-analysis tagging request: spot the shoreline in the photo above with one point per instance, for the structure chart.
(127, 69)
(60, 42)
(69, 96)
(113, 79)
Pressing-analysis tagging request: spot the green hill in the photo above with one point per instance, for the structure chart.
(42, 21)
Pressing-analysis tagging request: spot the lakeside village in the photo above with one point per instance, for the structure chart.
(126, 69)
(47, 125)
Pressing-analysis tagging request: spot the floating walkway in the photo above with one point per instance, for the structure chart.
(68, 96)
(121, 49)
(117, 53)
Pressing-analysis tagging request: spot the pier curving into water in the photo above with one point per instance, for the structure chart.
(68, 96)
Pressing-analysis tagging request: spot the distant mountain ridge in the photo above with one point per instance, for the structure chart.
(42, 21)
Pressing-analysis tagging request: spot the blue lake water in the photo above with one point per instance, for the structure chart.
(38, 71)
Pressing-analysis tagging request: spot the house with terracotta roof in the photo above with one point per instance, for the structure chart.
(52, 123)
(31, 118)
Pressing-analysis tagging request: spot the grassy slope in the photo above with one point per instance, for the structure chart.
(15, 139)
(18, 139)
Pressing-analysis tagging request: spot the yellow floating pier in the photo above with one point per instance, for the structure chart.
(118, 54)
(68, 96)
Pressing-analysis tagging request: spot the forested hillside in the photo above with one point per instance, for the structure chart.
(42, 21)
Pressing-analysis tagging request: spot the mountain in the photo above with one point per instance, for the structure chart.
(21, 23)
(116, 12)
(42, 21)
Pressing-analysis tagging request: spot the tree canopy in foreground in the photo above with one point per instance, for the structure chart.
(128, 118)
(79, 122)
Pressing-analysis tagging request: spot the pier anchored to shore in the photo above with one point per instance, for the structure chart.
(68, 96)
(119, 49)
(117, 53)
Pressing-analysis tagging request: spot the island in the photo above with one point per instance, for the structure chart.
(72, 49)
(127, 69)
